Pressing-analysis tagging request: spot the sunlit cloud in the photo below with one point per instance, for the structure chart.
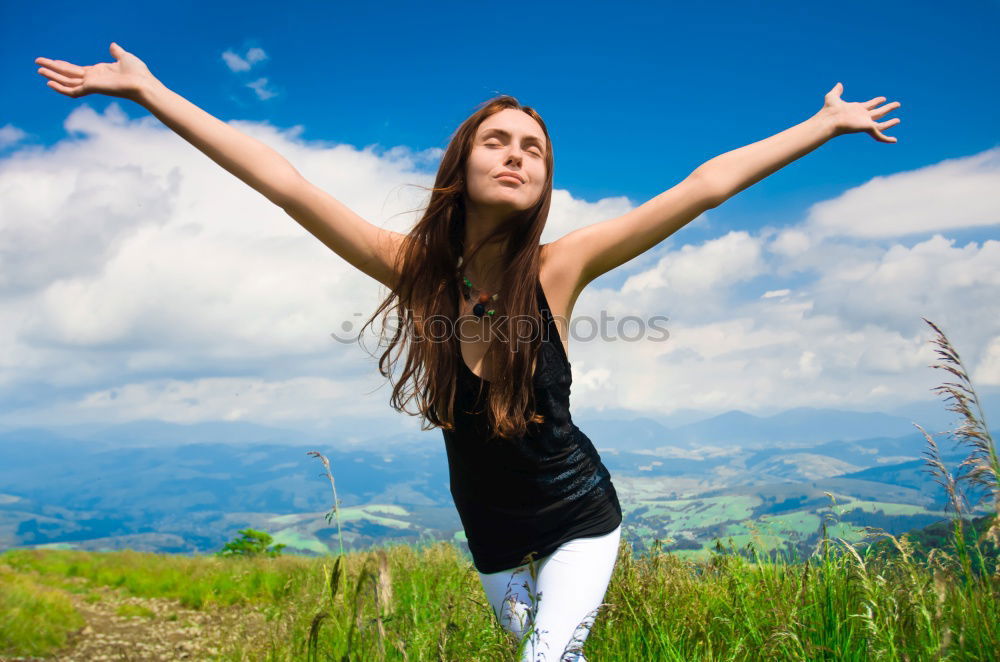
(154, 284)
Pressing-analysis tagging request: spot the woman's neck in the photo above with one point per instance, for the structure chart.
(485, 269)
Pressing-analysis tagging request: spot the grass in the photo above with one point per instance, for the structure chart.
(34, 618)
(839, 605)
(846, 601)
(196, 582)
(135, 611)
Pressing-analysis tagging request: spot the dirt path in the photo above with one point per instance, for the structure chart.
(165, 631)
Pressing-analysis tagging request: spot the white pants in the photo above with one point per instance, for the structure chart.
(561, 598)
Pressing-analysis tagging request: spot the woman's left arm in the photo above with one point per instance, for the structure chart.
(732, 172)
(585, 253)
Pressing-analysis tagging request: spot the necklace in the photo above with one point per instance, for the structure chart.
(480, 308)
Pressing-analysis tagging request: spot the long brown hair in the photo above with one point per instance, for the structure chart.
(424, 297)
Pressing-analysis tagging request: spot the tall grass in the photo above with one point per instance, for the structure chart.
(34, 618)
(981, 466)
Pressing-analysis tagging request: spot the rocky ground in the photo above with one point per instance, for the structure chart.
(121, 628)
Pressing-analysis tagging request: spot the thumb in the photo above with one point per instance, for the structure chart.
(116, 50)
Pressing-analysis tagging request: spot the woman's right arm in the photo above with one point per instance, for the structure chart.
(364, 245)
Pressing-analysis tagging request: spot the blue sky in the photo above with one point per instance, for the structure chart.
(635, 95)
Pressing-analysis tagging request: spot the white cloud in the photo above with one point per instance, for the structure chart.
(933, 278)
(121, 264)
(956, 193)
(790, 242)
(259, 87)
(226, 398)
(695, 270)
(987, 371)
(10, 135)
(848, 334)
(255, 55)
(569, 213)
(152, 283)
(237, 63)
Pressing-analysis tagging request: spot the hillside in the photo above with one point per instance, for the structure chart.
(98, 494)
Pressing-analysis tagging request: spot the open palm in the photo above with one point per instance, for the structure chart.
(121, 78)
(857, 116)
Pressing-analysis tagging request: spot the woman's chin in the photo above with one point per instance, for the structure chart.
(505, 202)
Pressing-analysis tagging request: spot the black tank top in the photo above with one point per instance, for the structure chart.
(531, 494)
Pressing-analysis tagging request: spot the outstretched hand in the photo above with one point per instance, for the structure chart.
(856, 116)
(122, 78)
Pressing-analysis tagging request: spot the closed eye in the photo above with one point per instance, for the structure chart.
(537, 151)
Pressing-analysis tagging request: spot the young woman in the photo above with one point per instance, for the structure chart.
(482, 312)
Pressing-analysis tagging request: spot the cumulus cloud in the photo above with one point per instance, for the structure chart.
(125, 264)
(955, 193)
(150, 283)
(846, 333)
(696, 270)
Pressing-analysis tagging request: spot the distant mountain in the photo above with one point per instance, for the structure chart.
(802, 425)
(674, 419)
(861, 452)
(933, 416)
(626, 434)
(190, 487)
(611, 428)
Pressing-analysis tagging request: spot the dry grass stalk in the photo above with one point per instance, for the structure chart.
(940, 473)
(384, 585)
(972, 430)
(335, 512)
(982, 463)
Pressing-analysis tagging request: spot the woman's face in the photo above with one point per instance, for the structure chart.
(509, 141)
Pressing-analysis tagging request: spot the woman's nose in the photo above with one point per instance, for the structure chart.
(514, 155)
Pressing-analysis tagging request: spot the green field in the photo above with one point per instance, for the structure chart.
(401, 603)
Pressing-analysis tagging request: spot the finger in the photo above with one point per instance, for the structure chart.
(59, 78)
(882, 137)
(871, 103)
(63, 67)
(886, 109)
(68, 91)
(885, 125)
